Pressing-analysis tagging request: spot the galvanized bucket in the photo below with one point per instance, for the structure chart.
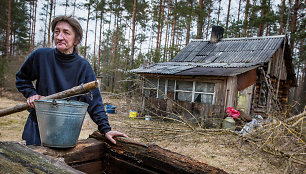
(60, 121)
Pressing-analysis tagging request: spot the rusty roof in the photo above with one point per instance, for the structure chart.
(228, 57)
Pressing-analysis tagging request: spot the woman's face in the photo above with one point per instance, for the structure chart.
(64, 37)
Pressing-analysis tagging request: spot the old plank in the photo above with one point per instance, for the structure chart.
(154, 158)
(97, 155)
(17, 158)
(84, 151)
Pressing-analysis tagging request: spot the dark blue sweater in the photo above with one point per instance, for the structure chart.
(55, 72)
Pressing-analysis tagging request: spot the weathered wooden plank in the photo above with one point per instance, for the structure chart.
(17, 158)
(97, 155)
(154, 158)
(84, 151)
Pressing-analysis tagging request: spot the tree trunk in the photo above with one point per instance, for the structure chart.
(219, 12)
(133, 34)
(159, 24)
(74, 5)
(100, 42)
(49, 27)
(88, 19)
(245, 23)
(200, 21)
(66, 6)
(94, 54)
(293, 25)
(45, 29)
(189, 22)
(167, 32)
(173, 28)
(227, 17)
(8, 30)
(262, 13)
(238, 18)
(210, 8)
(281, 21)
(268, 24)
(34, 28)
(30, 24)
(162, 22)
(114, 51)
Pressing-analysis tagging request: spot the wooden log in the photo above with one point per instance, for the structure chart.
(17, 158)
(81, 89)
(151, 158)
(97, 155)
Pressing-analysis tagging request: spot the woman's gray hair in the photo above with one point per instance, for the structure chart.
(73, 23)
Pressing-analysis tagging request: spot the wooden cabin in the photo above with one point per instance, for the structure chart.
(207, 76)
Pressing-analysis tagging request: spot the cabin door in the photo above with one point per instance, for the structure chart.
(244, 99)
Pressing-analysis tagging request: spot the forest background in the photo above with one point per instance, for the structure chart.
(122, 35)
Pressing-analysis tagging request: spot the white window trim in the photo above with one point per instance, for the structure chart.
(193, 92)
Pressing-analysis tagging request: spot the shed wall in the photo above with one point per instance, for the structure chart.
(207, 115)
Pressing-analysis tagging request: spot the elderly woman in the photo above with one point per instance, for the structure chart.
(56, 70)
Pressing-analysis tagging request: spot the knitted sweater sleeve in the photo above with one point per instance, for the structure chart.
(24, 77)
(96, 107)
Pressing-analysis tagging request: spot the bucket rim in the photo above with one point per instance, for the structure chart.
(62, 102)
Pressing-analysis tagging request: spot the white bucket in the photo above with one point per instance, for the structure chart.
(147, 117)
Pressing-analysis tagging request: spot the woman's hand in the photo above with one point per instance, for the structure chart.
(111, 134)
(30, 100)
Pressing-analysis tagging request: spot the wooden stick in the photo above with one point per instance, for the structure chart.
(67, 93)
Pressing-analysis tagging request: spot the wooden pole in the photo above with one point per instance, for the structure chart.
(81, 89)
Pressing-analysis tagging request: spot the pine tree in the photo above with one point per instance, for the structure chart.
(8, 31)
(49, 26)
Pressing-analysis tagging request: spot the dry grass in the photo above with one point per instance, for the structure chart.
(222, 149)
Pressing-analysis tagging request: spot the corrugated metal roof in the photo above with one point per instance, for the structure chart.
(227, 57)
(254, 49)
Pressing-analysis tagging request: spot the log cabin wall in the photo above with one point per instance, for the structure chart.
(232, 89)
(274, 78)
(277, 66)
(204, 114)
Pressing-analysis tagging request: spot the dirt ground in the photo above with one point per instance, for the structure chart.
(221, 150)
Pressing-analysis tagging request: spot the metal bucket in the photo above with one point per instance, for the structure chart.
(60, 121)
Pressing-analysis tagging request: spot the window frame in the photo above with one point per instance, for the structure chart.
(193, 92)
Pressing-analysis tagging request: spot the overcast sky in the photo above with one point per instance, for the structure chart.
(60, 10)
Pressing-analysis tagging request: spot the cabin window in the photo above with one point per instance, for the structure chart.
(204, 92)
(183, 91)
(200, 92)
(190, 91)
